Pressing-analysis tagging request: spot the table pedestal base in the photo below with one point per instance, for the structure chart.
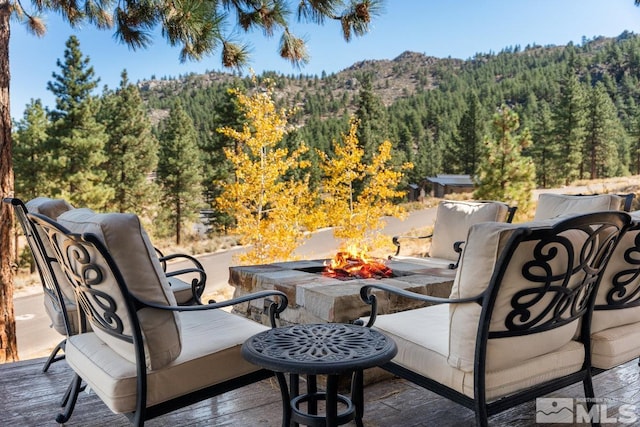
(330, 349)
(292, 401)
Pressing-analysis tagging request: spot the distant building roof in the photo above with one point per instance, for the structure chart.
(452, 180)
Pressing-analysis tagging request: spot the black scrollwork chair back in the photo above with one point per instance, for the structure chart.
(59, 300)
(615, 328)
(517, 323)
(167, 356)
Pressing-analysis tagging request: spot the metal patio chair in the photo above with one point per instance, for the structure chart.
(517, 323)
(453, 220)
(59, 299)
(144, 355)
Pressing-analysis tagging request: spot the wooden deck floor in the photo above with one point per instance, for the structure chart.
(30, 398)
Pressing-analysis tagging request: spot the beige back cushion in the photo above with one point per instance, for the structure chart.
(484, 244)
(453, 220)
(129, 246)
(552, 205)
(53, 208)
(605, 319)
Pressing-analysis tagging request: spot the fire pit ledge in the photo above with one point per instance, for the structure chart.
(314, 298)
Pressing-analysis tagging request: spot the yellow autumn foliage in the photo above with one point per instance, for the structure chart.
(272, 212)
(358, 219)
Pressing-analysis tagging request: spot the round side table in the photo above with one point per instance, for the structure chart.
(330, 349)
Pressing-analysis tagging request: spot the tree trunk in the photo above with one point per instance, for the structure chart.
(178, 221)
(8, 342)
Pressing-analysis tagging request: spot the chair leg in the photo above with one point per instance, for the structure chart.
(71, 396)
(482, 419)
(67, 393)
(52, 357)
(482, 414)
(589, 394)
(357, 395)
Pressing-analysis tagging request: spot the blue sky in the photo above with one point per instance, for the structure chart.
(440, 28)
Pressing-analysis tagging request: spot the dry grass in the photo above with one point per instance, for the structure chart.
(223, 294)
(26, 282)
(416, 247)
(195, 245)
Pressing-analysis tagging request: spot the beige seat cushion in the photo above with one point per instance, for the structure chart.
(453, 219)
(54, 312)
(429, 262)
(424, 350)
(553, 205)
(211, 342)
(614, 346)
(181, 290)
(485, 243)
(126, 241)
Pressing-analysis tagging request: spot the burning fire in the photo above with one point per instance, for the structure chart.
(353, 262)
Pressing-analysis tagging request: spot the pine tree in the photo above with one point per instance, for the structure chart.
(131, 149)
(602, 130)
(372, 116)
(179, 170)
(468, 144)
(504, 173)
(77, 140)
(568, 127)
(30, 154)
(545, 149)
(635, 143)
(218, 170)
(30, 158)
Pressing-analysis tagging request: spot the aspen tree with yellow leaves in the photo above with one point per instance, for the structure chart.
(272, 211)
(358, 218)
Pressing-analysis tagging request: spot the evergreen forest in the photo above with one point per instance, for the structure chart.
(580, 104)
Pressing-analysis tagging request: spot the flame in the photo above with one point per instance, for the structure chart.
(354, 262)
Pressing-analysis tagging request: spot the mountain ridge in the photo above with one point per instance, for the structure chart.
(392, 79)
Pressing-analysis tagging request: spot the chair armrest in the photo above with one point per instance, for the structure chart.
(457, 247)
(275, 308)
(367, 295)
(396, 241)
(197, 284)
(165, 258)
(160, 255)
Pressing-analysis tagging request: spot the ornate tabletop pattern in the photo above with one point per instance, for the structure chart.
(319, 348)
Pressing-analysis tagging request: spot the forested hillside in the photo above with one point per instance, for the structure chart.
(579, 101)
(154, 148)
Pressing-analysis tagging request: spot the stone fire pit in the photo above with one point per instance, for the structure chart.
(314, 298)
